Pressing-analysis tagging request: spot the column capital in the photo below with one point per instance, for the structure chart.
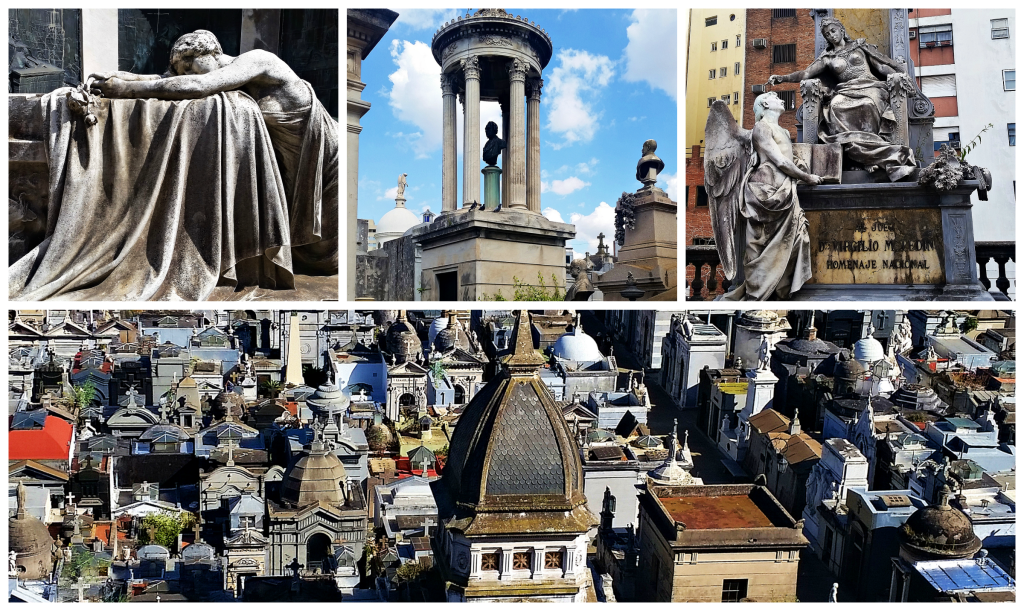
(470, 67)
(517, 70)
(447, 84)
(533, 87)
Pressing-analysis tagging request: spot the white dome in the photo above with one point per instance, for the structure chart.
(396, 222)
(577, 346)
(868, 350)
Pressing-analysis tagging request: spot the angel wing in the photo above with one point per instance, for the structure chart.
(727, 157)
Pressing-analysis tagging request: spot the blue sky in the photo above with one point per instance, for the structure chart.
(610, 85)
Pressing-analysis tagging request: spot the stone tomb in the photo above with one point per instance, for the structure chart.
(890, 241)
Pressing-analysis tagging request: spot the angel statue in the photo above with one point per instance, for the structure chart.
(760, 230)
(857, 114)
(402, 183)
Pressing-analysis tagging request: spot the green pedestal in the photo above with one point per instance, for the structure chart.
(492, 186)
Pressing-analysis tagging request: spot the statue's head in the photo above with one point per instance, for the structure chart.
(834, 31)
(649, 147)
(189, 53)
(491, 129)
(765, 101)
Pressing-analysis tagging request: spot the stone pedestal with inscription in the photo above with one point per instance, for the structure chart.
(890, 241)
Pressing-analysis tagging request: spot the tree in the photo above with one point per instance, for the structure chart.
(271, 387)
(163, 528)
(410, 571)
(82, 396)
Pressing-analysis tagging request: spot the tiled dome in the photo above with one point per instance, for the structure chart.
(317, 476)
(512, 453)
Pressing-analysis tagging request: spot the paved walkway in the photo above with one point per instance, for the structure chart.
(706, 457)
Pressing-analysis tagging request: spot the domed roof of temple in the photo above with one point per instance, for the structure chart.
(766, 320)
(671, 472)
(577, 346)
(401, 338)
(30, 540)
(436, 326)
(317, 476)
(448, 337)
(328, 398)
(513, 465)
(939, 531)
(868, 350)
(397, 221)
(847, 368)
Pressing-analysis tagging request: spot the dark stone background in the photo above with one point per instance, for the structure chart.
(309, 44)
(52, 36)
(145, 36)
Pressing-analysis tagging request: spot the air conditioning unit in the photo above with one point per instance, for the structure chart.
(954, 144)
(913, 34)
(758, 89)
(760, 43)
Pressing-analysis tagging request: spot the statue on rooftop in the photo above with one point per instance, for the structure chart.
(760, 229)
(857, 83)
(401, 186)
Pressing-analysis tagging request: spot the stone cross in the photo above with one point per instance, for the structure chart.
(427, 524)
(294, 566)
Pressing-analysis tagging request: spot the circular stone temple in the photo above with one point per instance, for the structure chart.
(492, 55)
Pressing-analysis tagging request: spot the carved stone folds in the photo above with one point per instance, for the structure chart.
(813, 92)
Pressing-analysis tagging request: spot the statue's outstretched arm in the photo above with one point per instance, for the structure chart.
(242, 70)
(812, 71)
(126, 76)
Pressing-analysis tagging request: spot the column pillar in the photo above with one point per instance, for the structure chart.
(533, 144)
(516, 163)
(462, 103)
(449, 154)
(471, 132)
(503, 105)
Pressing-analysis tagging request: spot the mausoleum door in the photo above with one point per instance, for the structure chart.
(318, 548)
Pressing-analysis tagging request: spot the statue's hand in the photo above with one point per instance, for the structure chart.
(102, 76)
(112, 87)
(774, 79)
(814, 179)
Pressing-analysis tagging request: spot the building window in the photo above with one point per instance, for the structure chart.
(712, 73)
(489, 561)
(738, 45)
(709, 21)
(939, 86)
(783, 54)
(710, 102)
(1009, 80)
(714, 46)
(702, 197)
(736, 69)
(521, 561)
(789, 98)
(1000, 28)
(723, 72)
(1011, 131)
(734, 590)
(726, 97)
(935, 36)
(553, 560)
(735, 97)
(782, 13)
(725, 44)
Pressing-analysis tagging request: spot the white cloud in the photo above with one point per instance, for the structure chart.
(670, 183)
(651, 52)
(390, 194)
(579, 76)
(563, 187)
(415, 95)
(552, 215)
(425, 19)
(588, 226)
(586, 167)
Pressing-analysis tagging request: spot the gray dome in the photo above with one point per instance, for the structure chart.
(939, 532)
(317, 476)
(31, 541)
(401, 338)
(328, 398)
(577, 346)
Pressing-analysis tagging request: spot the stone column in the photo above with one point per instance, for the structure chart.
(449, 154)
(516, 163)
(471, 132)
(533, 145)
(503, 105)
(462, 103)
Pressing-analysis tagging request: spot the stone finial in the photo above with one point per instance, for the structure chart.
(523, 359)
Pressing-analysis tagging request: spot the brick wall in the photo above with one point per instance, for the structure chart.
(797, 30)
